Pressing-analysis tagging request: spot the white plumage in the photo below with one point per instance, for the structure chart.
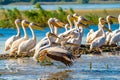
(16, 43)
(115, 39)
(9, 41)
(29, 44)
(99, 41)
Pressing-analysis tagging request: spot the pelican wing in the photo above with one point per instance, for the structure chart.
(58, 56)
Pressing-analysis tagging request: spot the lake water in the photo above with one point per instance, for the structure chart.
(105, 67)
(73, 6)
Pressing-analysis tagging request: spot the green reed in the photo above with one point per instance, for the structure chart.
(40, 16)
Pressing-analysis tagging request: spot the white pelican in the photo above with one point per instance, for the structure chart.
(79, 32)
(9, 41)
(54, 24)
(115, 39)
(110, 20)
(58, 54)
(51, 44)
(88, 34)
(48, 42)
(92, 35)
(29, 44)
(16, 43)
(99, 41)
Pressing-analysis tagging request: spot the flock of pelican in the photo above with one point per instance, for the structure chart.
(58, 46)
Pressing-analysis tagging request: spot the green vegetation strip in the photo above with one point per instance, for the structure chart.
(41, 16)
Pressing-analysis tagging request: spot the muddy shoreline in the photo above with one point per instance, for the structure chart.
(83, 49)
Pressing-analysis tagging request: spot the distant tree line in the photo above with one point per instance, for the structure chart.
(34, 1)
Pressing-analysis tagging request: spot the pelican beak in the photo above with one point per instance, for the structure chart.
(36, 26)
(18, 21)
(105, 22)
(114, 19)
(85, 21)
(56, 24)
(26, 24)
(83, 25)
(76, 16)
(60, 23)
(107, 29)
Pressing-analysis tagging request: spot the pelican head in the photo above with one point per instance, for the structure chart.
(35, 26)
(59, 22)
(71, 17)
(102, 20)
(67, 25)
(110, 19)
(83, 20)
(76, 16)
(18, 21)
(25, 23)
(55, 22)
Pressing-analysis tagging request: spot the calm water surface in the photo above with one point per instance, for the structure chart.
(26, 68)
(73, 6)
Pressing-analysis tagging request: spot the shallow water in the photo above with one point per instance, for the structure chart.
(105, 67)
(27, 69)
(73, 6)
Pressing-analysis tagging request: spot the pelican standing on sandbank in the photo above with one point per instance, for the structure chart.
(10, 41)
(99, 41)
(16, 43)
(29, 44)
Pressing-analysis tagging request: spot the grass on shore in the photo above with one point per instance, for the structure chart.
(41, 16)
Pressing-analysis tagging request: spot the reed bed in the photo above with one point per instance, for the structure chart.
(41, 16)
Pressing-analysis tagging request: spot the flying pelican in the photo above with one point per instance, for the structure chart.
(110, 20)
(99, 41)
(29, 44)
(9, 41)
(16, 43)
